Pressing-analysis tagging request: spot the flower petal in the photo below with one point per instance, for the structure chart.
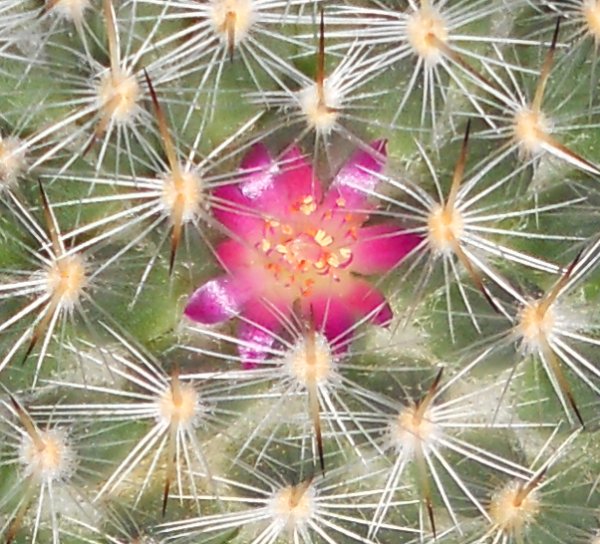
(365, 299)
(235, 212)
(244, 204)
(256, 345)
(258, 170)
(258, 331)
(216, 301)
(381, 247)
(335, 315)
(234, 256)
(331, 315)
(357, 178)
(297, 178)
(267, 188)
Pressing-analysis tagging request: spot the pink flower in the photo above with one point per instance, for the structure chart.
(293, 247)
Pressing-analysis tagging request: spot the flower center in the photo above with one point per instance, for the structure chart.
(529, 126)
(12, 161)
(293, 505)
(232, 19)
(118, 94)
(48, 457)
(182, 195)
(512, 509)
(66, 279)
(309, 246)
(426, 29)
(445, 228)
(591, 13)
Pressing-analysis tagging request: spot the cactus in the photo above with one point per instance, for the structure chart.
(299, 271)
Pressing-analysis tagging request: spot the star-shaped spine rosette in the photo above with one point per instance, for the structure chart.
(294, 245)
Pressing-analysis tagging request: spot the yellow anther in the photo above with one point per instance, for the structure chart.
(308, 205)
(333, 260)
(323, 239)
(345, 253)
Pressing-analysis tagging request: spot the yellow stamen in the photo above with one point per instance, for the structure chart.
(323, 239)
(308, 205)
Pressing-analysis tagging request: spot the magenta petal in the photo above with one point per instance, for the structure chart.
(258, 158)
(381, 247)
(262, 187)
(261, 323)
(242, 207)
(258, 171)
(357, 178)
(216, 301)
(256, 345)
(235, 212)
(233, 256)
(296, 177)
(332, 317)
(367, 300)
